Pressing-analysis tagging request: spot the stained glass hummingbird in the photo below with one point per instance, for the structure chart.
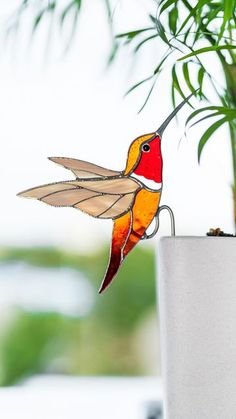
(130, 198)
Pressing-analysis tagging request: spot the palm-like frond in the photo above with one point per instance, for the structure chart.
(189, 31)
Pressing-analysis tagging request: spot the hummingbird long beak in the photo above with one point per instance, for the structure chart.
(163, 126)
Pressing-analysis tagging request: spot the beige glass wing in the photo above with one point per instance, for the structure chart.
(99, 198)
(117, 186)
(106, 206)
(78, 167)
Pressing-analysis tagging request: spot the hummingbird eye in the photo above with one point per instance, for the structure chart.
(146, 148)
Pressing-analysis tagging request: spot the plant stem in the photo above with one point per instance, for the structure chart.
(230, 77)
(233, 148)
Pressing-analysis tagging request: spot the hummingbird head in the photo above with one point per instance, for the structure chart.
(144, 155)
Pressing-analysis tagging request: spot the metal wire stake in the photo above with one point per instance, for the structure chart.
(172, 220)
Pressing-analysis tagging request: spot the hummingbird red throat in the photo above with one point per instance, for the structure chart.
(130, 197)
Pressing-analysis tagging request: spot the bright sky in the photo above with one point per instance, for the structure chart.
(70, 105)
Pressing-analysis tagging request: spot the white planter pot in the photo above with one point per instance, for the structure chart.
(197, 304)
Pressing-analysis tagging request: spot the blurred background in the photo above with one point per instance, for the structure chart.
(59, 97)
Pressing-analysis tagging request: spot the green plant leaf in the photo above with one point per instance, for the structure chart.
(148, 96)
(173, 97)
(193, 13)
(65, 12)
(200, 78)
(195, 113)
(186, 34)
(166, 4)
(205, 117)
(109, 12)
(113, 52)
(160, 30)
(207, 134)
(132, 34)
(159, 67)
(143, 42)
(73, 25)
(173, 17)
(47, 10)
(176, 84)
(138, 84)
(51, 5)
(207, 49)
(38, 19)
(222, 110)
(229, 6)
(187, 77)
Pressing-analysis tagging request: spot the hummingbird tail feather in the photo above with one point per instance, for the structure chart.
(114, 264)
(121, 230)
(129, 229)
(133, 239)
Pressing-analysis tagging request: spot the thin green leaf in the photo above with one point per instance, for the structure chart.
(195, 113)
(173, 97)
(173, 17)
(200, 77)
(160, 30)
(223, 100)
(167, 4)
(207, 49)
(49, 9)
(38, 20)
(109, 12)
(113, 53)
(229, 6)
(176, 84)
(73, 29)
(138, 84)
(186, 34)
(197, 36)
(159, 67)
(230, 113)
(143, 42)
(148, 96)
(199, 5)
(212, 14)
(222, 29)
(51, 6)
(187, 77)
(132, 34)
(234, 18)
(207, 134)
(65, 12)
(205, 117)
(216, 4)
